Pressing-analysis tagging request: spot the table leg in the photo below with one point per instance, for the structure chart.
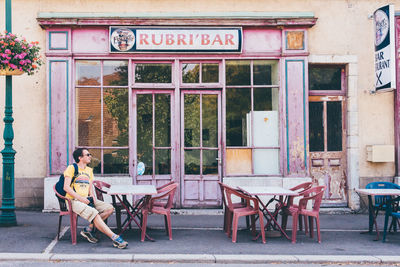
(372, 219)
(271, 218)
(132, 213)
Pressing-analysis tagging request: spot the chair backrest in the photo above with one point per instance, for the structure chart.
(229, 191)
(100, 188)
(162, 187)
(302, 187)
(169, 193)
(315, 194)
(61, 200)
(380, 200)
(221, 187)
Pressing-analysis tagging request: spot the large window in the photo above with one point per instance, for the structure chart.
(102, 113)
(252, 119)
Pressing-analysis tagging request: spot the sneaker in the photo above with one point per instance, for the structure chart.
(119, 243)
(89, 236)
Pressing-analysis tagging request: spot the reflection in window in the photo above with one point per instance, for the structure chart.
(238, 104)
(115, 117)
(153, 73)
(88, 72)
(192, 120)
(316, 126)
(159, 131)
(115, 73)
(89, 116)
(325, 77)
(238, 72)
(103, 114)
(210, 73)
(192, 161)
(334, 125)
(190, 73)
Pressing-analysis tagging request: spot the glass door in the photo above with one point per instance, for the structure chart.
(153, 136)
(200, 148)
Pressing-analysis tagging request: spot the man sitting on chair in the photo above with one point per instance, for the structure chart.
(84, 202)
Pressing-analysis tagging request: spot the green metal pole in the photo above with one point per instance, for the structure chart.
(7, 217)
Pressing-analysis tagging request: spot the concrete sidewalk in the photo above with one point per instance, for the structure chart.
(200, 239)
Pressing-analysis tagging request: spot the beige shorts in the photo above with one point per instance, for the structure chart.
(87, 212)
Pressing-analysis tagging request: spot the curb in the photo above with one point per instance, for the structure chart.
(202, 258)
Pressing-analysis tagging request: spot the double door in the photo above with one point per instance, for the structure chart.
(179, 139)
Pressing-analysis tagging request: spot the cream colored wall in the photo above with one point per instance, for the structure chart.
(343, 28)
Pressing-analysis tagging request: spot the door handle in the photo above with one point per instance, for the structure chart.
(219, 160)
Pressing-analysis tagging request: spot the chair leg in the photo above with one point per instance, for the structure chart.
(225, 217)
(305, 223)
(300, 221)
(59, 227)
(311, 221)
(284, 220)
(318, 229)
(73, 222)
(253, 225)
(386, 226)
(168, 225)
(260, 217)
(229, 223)
(118, 219)
(234, 227)
(294, 227)
(247, 222)
(144, 225)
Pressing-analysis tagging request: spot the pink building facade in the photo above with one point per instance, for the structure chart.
(196, 99)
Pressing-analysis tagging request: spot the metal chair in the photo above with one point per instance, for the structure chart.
(66, 209)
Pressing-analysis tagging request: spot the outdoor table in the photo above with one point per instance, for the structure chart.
(372, 216)
(121, 192)
(270, 191)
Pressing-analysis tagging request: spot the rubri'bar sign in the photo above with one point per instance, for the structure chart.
(385, 67)
(166, 40)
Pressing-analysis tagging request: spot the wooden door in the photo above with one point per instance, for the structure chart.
(200, 148)
(328, 146)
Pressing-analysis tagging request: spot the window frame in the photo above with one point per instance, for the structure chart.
(341, 91)
(251, 86)
(102, 87)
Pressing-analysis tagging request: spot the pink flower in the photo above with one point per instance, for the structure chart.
(13, 66)
(7, 51)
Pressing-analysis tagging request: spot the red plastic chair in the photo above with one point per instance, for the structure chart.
(102, 188)
(300, 189)
(165, 209)
(66, 210)
(227, 215)
(248, 210)
(315, 194)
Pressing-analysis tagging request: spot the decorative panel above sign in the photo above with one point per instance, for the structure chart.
(295, 40)
(174, 39)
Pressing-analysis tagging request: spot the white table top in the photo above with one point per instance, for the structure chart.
(379, 192)
(130, 189)
(268, 190)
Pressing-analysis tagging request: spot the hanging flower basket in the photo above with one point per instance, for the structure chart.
(18, 56)
(8, 71)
